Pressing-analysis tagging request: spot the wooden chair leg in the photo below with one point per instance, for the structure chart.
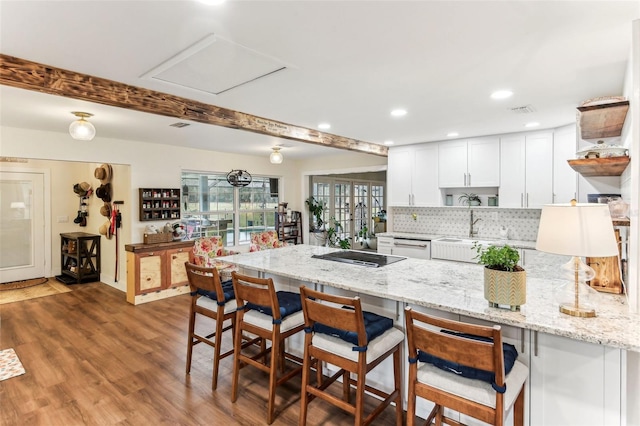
(360, 387)
(237, 347)
(192, 324)
(518, 409)
(439, 413)
(304, 395)
(216, 350)
(346, 386)
(398, 386)
(273, 378)
(319, 378)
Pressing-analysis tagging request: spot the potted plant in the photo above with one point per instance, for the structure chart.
(316, 208)
(470, 199)
(334, 239)
(505, 282)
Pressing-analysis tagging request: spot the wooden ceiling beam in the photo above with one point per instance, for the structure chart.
(34, 76)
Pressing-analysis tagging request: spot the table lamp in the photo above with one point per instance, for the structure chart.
(578, 230)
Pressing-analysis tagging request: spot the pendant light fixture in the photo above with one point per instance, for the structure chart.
(81, 129)
(276, 155)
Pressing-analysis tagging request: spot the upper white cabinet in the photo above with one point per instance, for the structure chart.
(470, 163)
(412, 176)
(526, 167)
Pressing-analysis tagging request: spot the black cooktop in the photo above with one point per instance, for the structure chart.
(362, 258)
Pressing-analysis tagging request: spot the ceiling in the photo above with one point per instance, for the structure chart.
(348, 63)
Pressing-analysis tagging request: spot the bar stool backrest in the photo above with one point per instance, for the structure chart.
(258, 291)
(344, 313)
(206, 279)
(473, 353)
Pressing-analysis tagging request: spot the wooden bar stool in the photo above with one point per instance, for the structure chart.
(340, 333)
(270, 316)
(213, 299)
(462, 367)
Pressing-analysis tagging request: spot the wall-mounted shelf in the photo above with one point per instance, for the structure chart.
(612, 166)
(159, 203)
(602, 120)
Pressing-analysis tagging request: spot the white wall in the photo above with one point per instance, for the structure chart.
(139, 164)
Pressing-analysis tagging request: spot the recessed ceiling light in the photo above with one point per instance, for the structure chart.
(398, 112)
(324, 126)
(388, 143)
(452, 134)
(501, 94)
(212, 2)
(532, 124)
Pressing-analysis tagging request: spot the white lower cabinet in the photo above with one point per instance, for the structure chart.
(570, 382)
(574, 383)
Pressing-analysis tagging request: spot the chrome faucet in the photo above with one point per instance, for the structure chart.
(472, 222)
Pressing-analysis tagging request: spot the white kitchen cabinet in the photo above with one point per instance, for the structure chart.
(574, 383)
(470, 163)
(526, 167)
(413, 176)
(565, 179)
(570, 382)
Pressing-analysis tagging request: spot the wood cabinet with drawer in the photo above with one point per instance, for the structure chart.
(156, 271)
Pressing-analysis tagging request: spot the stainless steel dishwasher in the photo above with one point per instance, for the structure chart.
(418, 249)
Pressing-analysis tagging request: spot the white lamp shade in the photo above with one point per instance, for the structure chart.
(276, 156)
(82, 130)
(577, 230)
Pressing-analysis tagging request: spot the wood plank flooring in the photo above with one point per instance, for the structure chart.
(93, 359)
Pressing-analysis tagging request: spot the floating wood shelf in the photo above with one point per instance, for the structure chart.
(613, 166)
(603, 120)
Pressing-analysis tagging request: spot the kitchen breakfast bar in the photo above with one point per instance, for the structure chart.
(578, 366)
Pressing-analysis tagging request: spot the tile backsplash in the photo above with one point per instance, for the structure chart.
(522, 224)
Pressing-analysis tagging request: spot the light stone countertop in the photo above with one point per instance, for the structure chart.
(452, 287)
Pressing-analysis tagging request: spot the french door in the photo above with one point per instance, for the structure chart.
(22, 233)
(351, 203)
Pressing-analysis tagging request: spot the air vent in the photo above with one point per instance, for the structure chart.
(527, 109)
(179, 125)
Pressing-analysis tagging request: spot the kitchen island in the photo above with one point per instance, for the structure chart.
(451, 287)
(583, 371)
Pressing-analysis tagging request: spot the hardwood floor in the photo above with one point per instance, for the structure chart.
(93, 359)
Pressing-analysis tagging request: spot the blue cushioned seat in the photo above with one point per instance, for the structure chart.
(509, 351)
(374, 324)
(289, 302)
(227, 289)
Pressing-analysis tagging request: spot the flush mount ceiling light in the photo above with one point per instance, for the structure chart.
(398, 112)
(324, 126)
(501, 94)
(532, 124)
(452, 134)
(81, 129)
(388, 143)
(276, 155)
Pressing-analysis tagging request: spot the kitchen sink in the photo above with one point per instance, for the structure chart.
(458, 249)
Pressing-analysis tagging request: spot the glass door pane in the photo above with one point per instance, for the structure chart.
(342, 208)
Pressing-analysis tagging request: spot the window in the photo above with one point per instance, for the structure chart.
(211, 206)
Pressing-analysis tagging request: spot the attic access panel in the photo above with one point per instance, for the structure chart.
(215, 65)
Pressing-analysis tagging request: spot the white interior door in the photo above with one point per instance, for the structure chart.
(22, 237)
